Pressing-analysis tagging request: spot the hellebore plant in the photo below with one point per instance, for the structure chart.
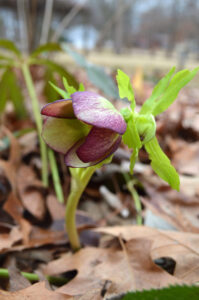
(87, 129)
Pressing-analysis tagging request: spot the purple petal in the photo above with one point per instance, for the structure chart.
(72, 160)
(62, 134)
(95, 110)
(59, 109)
(97, 144)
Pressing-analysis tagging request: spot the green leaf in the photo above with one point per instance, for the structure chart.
(96, 74)
(78, 58)
(101, 80)
(125, 87)
(70, 89)
(16, 95)
(61, 92)
(169, 293)
(4, 83)
(158, 90)
(161, 164)
(177, 83)
(10, 90)
(131, 137)
(50, 93)
(57, 69)
(46, 48)
(81, 87)
(9, 45)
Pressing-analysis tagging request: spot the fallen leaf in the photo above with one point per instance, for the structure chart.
(31, 192)
(16, 280)
(186, 160)
(7, 240)
(96, 266)
(14, 208)
(36, 291)
(181, 246)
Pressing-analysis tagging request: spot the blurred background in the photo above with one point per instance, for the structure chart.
(148, 33)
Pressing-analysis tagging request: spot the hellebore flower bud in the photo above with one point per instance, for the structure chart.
(86, 128)
(146, 127)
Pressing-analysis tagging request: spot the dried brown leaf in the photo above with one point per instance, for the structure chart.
(7, 240)
(96, 266)
(31, 191)
(36, 291)
(180, 246)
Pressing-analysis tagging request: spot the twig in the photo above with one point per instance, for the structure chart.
(46, 22)
(32, 277)
(66, 21)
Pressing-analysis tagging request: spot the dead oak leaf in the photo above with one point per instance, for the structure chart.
(96, 266)
(181, 246)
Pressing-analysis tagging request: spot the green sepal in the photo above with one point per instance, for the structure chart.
(161, 164)
(125, 87)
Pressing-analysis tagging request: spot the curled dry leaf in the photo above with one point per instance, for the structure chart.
(32, 236)
(36, 291)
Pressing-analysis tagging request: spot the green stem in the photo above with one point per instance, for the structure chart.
(43, 147)
(55, 175)
(38, 120)
(4, 273)
(78, 185)
(135, 196)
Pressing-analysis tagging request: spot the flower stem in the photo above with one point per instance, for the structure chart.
(4, 273)
(55, 175)
(78, 185)
(135, 196)
(43, 147)
(36, 112)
